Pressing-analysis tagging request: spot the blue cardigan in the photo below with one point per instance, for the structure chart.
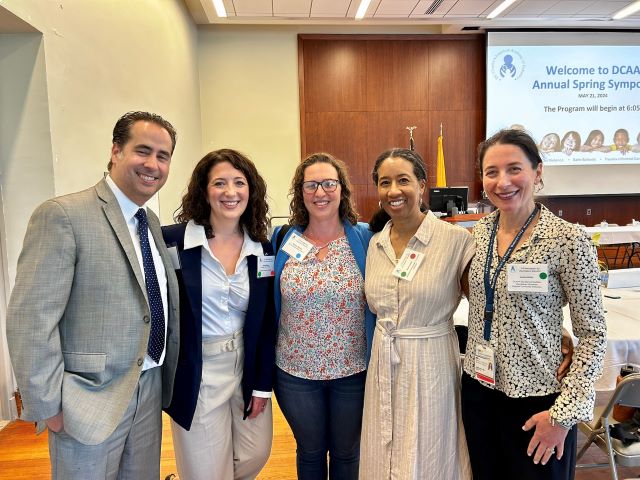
(358, 237)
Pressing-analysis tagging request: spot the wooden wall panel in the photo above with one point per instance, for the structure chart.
(335, 75)
(456, 75)
(397, 75)
(614, 209)
(343, 135)
(386, 130)
(359, 93)
(462, 130)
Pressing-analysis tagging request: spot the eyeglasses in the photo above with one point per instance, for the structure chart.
(328, 185)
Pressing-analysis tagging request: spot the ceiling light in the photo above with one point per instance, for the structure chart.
(219, 6)
(362, 9)
(501, 8)
(628, 10)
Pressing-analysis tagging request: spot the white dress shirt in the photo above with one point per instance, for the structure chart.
(225, 298)
(129, 209)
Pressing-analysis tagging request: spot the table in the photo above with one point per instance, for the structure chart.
(615, 235)
(623, 331)
(627, 238)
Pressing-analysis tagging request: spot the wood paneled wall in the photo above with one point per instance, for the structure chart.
(614, 209)
(359, 92)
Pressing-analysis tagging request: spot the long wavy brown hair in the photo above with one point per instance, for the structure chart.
(194, 205)
(299, 213)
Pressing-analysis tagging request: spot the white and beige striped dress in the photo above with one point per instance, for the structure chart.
(412, 428)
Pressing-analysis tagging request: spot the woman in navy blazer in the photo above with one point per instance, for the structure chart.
(221, 416)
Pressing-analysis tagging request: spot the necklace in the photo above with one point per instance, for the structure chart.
(318, 243)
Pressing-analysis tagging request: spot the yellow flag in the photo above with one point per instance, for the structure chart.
(441, 174)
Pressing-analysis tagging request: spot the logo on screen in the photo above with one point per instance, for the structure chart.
(507, 65)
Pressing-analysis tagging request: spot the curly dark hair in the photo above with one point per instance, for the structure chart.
(381, 217)
(194, 205)
(122, 128)
(299, 214)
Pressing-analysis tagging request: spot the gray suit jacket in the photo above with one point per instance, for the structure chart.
(78, 319)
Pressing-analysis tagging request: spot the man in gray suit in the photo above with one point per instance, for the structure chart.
(93, 314)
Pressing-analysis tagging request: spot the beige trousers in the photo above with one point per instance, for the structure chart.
(221, 445)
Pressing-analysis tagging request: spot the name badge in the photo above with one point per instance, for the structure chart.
(265, 266)
(297, 247)
(408, 264)
(175, 259)
(485, 365)
(528, 277)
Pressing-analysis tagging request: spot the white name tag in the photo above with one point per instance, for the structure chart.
(297, 247)
(265, 266)
(485, 365)
(175, 259)
(408, 264)
(528, 277)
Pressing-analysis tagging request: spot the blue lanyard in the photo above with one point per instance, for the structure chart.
(490, 283)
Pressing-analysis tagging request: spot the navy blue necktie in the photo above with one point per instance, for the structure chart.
(156, 337)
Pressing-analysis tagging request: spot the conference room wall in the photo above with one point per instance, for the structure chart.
(103, 59)
(249, 81)
(359, 93)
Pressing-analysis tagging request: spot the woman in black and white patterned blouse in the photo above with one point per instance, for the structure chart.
(520, 421)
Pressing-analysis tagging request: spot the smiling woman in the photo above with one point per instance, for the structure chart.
(227, 328)
(415, 267)
(520, 420)
(324, 322)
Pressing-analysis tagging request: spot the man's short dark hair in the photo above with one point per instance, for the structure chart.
(122, 129)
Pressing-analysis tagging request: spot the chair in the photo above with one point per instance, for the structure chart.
(597, 431)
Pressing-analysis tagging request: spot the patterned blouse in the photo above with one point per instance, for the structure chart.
(321, 334)
(527, 327)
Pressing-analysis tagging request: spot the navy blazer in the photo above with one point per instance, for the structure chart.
(259, 331)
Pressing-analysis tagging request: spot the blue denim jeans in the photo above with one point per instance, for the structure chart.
(325, 417)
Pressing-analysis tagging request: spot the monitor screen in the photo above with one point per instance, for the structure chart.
(576, 93)
(444, 199)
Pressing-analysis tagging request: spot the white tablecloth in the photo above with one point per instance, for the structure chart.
(615, 235)
(623, 331)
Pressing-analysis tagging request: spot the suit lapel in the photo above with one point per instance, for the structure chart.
(114, 215)
(258, 288)
(191, 267)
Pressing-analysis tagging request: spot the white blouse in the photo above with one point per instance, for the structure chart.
(225, 298)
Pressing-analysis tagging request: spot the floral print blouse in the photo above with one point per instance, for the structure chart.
(527, 327)
(321, 334)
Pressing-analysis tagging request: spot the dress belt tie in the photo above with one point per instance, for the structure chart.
(388, 357)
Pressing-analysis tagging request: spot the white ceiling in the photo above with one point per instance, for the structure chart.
(447, 13)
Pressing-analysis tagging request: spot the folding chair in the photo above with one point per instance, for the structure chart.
(597, 431)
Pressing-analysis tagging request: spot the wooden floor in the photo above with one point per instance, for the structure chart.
(25, 456)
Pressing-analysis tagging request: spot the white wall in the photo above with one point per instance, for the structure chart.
(250, 98)
(26, 170)
(249, 95)
(61, 92)
(104, 58)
